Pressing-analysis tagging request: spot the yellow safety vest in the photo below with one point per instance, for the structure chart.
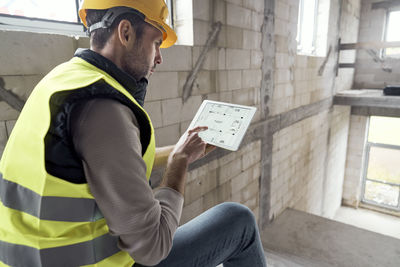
(45, 220)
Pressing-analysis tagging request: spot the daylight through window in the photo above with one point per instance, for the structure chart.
(381, 179)
(393, 33)
(307, 25)
(50, 16)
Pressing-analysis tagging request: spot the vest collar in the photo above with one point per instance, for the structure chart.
(136, 88)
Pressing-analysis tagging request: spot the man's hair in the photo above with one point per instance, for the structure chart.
(99, 37)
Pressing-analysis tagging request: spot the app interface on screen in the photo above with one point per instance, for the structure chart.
(224, 123)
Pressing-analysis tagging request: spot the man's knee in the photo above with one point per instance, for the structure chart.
(236, 212)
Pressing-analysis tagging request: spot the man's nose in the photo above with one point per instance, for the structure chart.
(158, 59)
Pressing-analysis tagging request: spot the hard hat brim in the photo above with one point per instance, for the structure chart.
(170, 38)
(169, 35)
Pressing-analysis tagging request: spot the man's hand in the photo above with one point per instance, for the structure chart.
(191, 146)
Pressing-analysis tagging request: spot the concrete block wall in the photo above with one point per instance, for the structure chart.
(307, 155)
(234, 177)
(5, 130)
(296, 76)
(335, 163)
(230, 73)
(308, 161)
(355, 160)
(349, 27)
(370, 73)
(298, 165)
(26, 58)
(298, 84)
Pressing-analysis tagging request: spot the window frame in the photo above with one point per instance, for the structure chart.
(300, 49)
(383, 51)
(170, 5)
(367, 150)
(20, 23)
(39, 25)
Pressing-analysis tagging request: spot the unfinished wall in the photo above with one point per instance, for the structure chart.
(234, 177)
(349, 27)
(293, 154)
(309, 152)
(354, 162)
(349, 19)
(26, 58)
(298, 165)
(231, 73)
(373, 72)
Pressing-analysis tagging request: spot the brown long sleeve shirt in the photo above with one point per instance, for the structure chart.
(106, 136)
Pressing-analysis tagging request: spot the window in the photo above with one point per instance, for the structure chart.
(307, 26)
(43, 9)
(51, 16)
(392, 33)
(381, 178)
(170, 20)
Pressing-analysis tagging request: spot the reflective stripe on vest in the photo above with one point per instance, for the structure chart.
(84, 253)
(20, 198)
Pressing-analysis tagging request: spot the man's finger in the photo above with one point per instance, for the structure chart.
(198, 129)
(209, 148)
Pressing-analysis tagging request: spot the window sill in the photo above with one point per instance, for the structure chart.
(39, 26)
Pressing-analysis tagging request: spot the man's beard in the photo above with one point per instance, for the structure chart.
(135, 64)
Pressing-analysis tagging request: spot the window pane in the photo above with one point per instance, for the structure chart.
(384, 130)
(381, 193)
(393, 33)
(383, 165)
(60, 10)
(306, 34)
(169, 19)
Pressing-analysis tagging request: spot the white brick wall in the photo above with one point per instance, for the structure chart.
(231, 73)
(369, 74)
(337, 150)
(298, 165)
(300, 72)
(354, 161)
(3, 136)
(234, 177)
(238, 16)
(237, 59)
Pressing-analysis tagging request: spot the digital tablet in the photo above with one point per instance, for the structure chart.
(227, 123)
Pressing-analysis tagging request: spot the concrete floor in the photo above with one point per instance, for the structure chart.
(299, 239)
(370, 220)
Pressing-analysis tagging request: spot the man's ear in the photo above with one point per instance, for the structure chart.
(126, 33)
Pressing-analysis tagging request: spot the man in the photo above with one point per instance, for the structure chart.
(73, 176)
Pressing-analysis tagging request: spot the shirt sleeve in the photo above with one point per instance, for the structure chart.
(106, 136)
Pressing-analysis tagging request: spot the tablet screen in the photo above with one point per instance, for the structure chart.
(227, 123)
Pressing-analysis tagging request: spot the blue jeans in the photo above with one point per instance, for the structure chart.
(226, 233)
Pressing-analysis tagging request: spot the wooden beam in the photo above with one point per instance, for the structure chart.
(212, 37)
(346, 65)
(385, 4)
(369, 45)
(10, 98)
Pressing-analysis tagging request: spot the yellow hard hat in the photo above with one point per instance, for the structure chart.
(155, 12)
